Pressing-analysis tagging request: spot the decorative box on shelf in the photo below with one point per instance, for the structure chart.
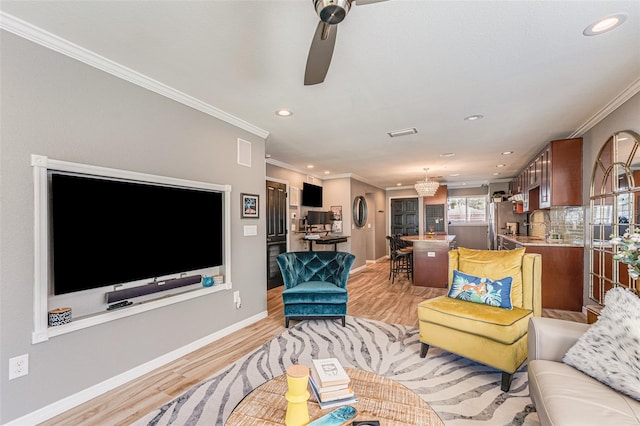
(59, 316)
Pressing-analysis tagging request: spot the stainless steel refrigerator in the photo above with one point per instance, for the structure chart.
(499, 215)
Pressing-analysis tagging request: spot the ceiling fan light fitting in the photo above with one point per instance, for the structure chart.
(332, 12)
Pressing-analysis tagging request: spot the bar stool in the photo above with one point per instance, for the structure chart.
(401, 259)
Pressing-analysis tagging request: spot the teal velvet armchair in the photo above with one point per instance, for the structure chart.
(315, 284)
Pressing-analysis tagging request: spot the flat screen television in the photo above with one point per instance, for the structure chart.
(318, 218)
(311, 195)
(107, 231)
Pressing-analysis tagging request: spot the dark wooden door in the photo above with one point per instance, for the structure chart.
(404, 216)
(276, 230)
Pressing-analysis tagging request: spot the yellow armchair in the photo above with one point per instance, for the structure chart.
(491, 335)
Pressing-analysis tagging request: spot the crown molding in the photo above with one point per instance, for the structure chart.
(611, 106)
(53, 42)
(288, 166)
(354, 177)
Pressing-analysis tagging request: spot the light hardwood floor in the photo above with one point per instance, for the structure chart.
(371, 295)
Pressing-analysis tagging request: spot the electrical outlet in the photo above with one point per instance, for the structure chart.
(236, 299)
(18, 366)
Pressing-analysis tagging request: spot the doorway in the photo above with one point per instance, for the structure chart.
(404, 216)
(276, 230)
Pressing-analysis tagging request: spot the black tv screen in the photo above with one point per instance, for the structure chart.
(311, 195)
(107, 231)
(318, 218)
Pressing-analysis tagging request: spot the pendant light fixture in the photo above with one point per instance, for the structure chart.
(427, 187)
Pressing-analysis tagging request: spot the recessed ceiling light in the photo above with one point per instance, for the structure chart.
(507, 153)
(399, 184)
(501, 165)
(326, 172)
(403, 132)
(447, 154)
(605, 24)
(474, 117)
(454, 174)
(283, 112)
(496, 173)
(309, 166)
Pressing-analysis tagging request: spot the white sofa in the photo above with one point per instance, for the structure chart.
(563, 395)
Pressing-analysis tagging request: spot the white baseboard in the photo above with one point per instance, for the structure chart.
(85, 395)
(359, 268)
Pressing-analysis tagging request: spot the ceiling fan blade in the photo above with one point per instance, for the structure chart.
(365, 2)
(320, 53)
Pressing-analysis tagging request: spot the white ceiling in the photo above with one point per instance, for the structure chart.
(524, 65)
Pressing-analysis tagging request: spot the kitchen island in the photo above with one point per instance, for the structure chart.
(562, 270)
(431, 259)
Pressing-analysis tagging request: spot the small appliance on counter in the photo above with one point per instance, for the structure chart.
(512, 228)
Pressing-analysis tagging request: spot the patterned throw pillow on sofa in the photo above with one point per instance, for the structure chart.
(481, 290)
(609, 351)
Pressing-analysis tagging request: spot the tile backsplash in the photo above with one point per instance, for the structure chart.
(568, 222)
(559, 224)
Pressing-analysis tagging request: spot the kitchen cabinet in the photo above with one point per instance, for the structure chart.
(563, 182)
(531, 200)
(533, 172)
(545, 178)
(562, 276)
(431, 259)
(554, 177)
(562, 270)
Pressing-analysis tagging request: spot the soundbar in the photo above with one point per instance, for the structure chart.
(154, 287)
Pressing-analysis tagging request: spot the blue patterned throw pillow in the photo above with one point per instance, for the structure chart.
(481, 290)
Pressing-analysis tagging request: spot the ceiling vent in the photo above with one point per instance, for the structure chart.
(403, 132)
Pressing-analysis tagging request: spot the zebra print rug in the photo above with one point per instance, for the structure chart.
(461, 391)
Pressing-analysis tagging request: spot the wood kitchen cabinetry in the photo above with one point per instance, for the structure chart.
(563, 187)
(562, 270)
(431, 259)
(562, 276)
(554, 177)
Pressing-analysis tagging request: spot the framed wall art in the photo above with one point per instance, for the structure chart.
(250, 206)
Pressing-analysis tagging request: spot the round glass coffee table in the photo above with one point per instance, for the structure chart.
(379, 398)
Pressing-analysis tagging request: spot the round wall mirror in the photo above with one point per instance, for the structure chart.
(360, 211)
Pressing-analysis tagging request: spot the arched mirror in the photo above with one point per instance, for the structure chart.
(360, 211)
(615, 208)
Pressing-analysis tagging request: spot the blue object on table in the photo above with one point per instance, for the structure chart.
(336, 417)
(207, 281)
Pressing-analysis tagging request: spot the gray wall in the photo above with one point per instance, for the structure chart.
(55, 106)
(368, 242)
(625, 117)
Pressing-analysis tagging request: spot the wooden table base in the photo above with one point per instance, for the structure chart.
(379, 398)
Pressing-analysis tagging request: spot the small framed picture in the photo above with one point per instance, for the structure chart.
(250, 206)
(336, 212)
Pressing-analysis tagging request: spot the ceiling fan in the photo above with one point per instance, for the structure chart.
(331, 13)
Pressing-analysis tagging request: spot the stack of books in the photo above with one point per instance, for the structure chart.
(330, 383)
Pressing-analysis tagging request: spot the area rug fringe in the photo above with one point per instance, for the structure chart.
(461, 391)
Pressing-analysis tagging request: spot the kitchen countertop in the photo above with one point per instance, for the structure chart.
(534, 241)
(429, 238)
